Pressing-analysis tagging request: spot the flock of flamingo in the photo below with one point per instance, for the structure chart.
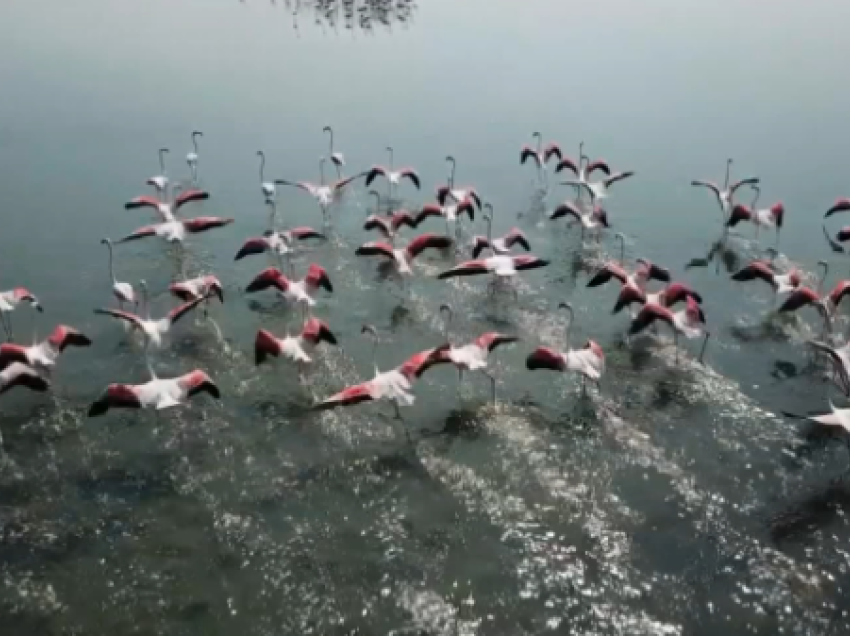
(675, 303)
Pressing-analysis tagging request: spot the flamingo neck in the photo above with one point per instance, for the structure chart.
(321, 173)
(262, 167)
(111, 267)
(726, 182)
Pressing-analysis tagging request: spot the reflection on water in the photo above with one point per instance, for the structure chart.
(351, 15)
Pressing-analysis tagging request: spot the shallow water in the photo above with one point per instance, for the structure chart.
(677, 500)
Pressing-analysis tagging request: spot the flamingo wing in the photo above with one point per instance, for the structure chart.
(551, 150)
(11, 353)
(839, 292)
(649, 314)
(837, 362)
(142, 202)
(755, 271)
(411, 174)
(479, 245)
(142, 232)
(707, 184)
(64, 336)
(567, 208)
(467, 268)
(403, 217)
(116, 396)
(303, 185)
(419, 363)
(356, 394)
(655, 272)
(678, 292)
(304, 233)
(133, 319)
(373, 174)
(517, 237)
(18, 374)
(841, 205)
(317, 331)
(493, 339)
(525, 262)
(545, 358)
(428, 241)
(318, 277)
(609, 270)
(567, 163)
(204, 223)
(527, 153)
(429, 210)
(800, 297)
(376, 248)
(619, 176)
(627, 296)
(739, 213)
(181, 310)
(270, 277)
(189, 196)
(748, 181)
(252, 246)
(834, 245)
(466, 206)
(375, 222)
(598, 164)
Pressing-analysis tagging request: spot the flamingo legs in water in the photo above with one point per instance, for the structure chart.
(492, 385)
(403, 423)
(7, 325)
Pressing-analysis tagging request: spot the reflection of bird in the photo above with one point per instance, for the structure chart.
(155, 394)
(588, 361)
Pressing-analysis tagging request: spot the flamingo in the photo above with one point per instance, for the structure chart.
(767, 218)
(688, 322)
(160, 181)
(192, 157)
(458, 194)
(672, 294)
(472, 356)
(202, 287)
(296, 349)
(827, 305)
(402, 258)
(499, 246)
(388, 226)
(392, 176)
(598, 189)
(588, 361)
(279, 243)
(644, 272)
(176, 231)
(726, 195)
(152, 330)
(123, 291)
(18, 374)
(589, 218)
(157, 393)
(43, 356)
(266, 187)
(539, 155)
(324, 194)
(501, 266)
(167, 211)
(585, 167)
(336, 157)
(781, 284)
(393, 386)
(9, 300)
(293, 291)
(450, 212)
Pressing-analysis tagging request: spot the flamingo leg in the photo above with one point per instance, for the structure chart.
(7, 325)
(492, 386)
(401, 419)
(459, 383)
(676, 345)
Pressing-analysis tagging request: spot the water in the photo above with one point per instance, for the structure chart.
(677, 501)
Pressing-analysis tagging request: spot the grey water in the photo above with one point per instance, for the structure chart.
(677, 499)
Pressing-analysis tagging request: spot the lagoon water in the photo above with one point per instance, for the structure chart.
(678, 500)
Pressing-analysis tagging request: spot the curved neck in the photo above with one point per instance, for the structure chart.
(162, 162)
(452, 174)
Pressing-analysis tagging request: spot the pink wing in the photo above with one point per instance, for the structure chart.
(189, 196)
(479, 245)
(318, 277)
(493, 339)
(567, 164)
(799, 298)
(527, 153)
(265, 345)
(517, 237)
(841, 205)
(142, 232)
(568, 208)
(142, 202)
(181, 310)
(204, 223)
(270, 277)
(598, 164)
(133, 319)
(317, 331)
(376, 248)
(552, 150)
(428, 241)
(304, 233)
(411, 174)
(64, 336)
(351, 395)
(252, 246)
(10, 353)
(608, 271)
(545, 358)
(429, 209)
(467, 268)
